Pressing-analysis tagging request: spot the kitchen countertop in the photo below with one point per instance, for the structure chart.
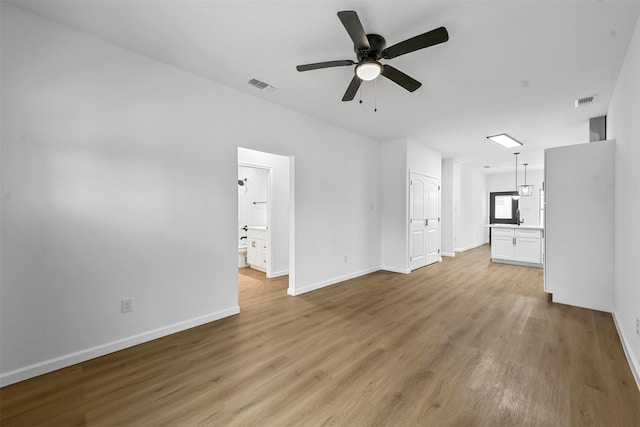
(522, 226)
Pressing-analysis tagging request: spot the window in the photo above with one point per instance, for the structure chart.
(502, 208)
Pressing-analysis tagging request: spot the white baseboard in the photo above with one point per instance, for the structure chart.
(395, 269)
(279, 273)
(325, 283)
(448, 254)
(468, 248)
(633, 362)
(100, 350)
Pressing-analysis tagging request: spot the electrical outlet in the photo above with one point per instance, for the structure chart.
(126, 305)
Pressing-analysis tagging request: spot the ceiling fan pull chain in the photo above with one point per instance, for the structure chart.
(360, 93)
(375, 95)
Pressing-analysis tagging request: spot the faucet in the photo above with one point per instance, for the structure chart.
(518, 220)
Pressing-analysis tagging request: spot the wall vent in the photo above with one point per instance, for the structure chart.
(587, 100)
(261, 85)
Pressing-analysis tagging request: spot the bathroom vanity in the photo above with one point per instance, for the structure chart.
(257, 248)
(517, 244)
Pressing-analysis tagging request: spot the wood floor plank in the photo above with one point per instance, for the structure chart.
(462, 342)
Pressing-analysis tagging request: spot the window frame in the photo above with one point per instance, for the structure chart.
(492, 208)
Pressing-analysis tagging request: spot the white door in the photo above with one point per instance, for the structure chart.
(424, 223)
(433, 221)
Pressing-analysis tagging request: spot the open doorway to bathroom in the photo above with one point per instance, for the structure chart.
(265, 222)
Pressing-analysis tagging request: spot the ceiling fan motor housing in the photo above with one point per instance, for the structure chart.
(377, 44)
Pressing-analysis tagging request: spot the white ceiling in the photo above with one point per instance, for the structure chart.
(509, 66)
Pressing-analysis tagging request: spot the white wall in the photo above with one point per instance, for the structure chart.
(254, 189)
(529, 206)
(119, 181)
(447, 208)
(280, 209)
(579, 225)
(624, 126)
(395, 205)
(423, 160)
(399, 158)
(470, 207)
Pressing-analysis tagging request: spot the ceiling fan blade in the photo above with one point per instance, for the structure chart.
(400, 78)
(430, 38)
(352, 89)
(327, 64)
(351, 22)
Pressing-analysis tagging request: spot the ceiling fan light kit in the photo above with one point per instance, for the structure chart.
(370, 48)
(368, 71)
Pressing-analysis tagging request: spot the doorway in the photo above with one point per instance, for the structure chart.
(265, 214)
(424, 220)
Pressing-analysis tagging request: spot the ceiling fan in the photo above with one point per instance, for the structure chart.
(370, 48)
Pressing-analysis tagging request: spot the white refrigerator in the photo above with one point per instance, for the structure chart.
(578, 225)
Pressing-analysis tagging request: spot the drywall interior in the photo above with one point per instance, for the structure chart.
(447, 208)
(115, 168)
(623, 126)
(395, 205)
(471, 213)
(251, 212)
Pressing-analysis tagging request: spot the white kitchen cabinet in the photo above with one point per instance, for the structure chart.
(502, 244)
(520, 246)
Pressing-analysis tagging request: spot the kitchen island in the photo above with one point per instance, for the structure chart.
(517, 244)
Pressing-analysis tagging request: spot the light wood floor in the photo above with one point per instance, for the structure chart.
(463, 342)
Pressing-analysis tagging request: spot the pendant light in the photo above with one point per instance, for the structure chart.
(516, 194)
(525, 190)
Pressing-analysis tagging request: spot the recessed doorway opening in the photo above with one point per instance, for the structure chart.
(265, 216)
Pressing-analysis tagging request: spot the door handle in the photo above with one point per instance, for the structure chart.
(426, 222)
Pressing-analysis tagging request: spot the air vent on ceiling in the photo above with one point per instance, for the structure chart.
(587, 100)
(261, 85)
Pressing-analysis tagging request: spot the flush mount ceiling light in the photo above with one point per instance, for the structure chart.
(368, 70)
(505, 140)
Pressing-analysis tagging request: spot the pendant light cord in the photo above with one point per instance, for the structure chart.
(516, 170)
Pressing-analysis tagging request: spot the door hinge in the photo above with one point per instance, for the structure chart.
(438, 219)
(438, 187)
(410, 182)
(438, 250)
